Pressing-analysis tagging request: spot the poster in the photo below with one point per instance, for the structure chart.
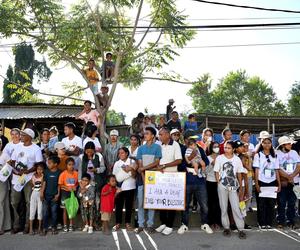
(5, 172)
(164, 190)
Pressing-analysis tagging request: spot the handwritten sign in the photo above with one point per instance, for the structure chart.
(164, 190)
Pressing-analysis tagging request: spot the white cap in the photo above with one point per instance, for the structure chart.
(114, 132)
(174, 130)
(59, 145)
(284, 140)
(29, 132)
(264, 135)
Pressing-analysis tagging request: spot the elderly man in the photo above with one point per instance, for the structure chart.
(23, 159)
(111, 150)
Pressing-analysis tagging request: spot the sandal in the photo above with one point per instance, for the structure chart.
(116, 227)
(128, 227)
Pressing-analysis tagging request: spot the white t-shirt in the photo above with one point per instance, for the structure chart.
(8, 150)
(267, 167)
(210, 173)
(129, 183)
(27, 155)
(134, 153)
(69, 144)
(288, 162)
(95, 141)
(228, 169)
(170, 153)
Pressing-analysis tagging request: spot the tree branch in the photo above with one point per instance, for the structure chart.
(136, 22)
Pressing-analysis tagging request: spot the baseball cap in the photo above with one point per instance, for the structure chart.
(59, 145)
(29, 132)
(238, 144)
(174, 130)
(114, 132)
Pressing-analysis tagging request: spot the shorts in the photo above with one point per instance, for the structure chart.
(63, 196)
(105, 216)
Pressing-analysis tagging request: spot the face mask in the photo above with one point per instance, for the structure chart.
(209, 139)
(216, 150)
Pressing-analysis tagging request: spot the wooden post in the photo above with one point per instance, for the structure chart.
(273, 133)
(206, 121)
(3, 126)
(268, 124)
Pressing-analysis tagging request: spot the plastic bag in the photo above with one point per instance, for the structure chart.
(72, 206)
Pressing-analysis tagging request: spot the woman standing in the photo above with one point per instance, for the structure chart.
(91, 134)
(134, 145)
(125, 171)
(228, 171)
(214, 211)
(93, 164)
(266, 167)
(289, 162)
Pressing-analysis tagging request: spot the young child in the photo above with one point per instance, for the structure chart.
(53, 138)
(103, 95)
(50, 194)
(68, 181)
(86, 193)
(92, 75)
(192, 146)
(108, 67)
(109, 191)
(35, 199)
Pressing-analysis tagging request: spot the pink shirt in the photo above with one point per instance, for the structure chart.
(92, 116)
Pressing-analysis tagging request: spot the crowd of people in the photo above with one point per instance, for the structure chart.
(221, 177)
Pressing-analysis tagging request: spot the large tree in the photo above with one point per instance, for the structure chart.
(17, 87)
(294, 99)
(235, 94)
(85, 30)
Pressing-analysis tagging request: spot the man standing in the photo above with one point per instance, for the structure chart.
(23, 159)
(148, 157)
(195, 185)
(72, 142)
(111, 150)
(174, 122)
(171, 158)
(170, 109)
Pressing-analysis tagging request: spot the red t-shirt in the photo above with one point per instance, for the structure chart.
(221, 146)
(108, 201)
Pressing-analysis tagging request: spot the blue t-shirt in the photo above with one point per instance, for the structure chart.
(190, 125)
(148, 154)
(51, 179)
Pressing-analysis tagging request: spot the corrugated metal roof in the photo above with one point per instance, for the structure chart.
(37, 111)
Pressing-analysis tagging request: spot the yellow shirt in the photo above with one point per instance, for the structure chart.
(91, 74)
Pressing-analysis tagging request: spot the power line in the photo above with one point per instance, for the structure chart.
(247, 7)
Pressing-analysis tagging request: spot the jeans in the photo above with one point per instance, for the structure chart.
(141, 210)
(250, 189)
(199, 190)
(286, 197)
(48, 203)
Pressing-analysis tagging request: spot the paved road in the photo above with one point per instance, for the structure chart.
(193, 240)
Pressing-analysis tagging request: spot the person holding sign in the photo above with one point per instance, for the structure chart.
(267, 178)
(289, 163)
(5, 221)
(23, 159)
(228, 171)
(171, 158)
(148, 157)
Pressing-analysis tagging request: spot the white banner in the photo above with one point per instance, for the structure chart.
(164, 190)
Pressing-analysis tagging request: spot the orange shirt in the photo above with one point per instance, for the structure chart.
(91, 73)
(68, 180)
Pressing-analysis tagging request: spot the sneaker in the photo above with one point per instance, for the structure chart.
(247, 227)
(167, 231)
(160, 228)
(90, 230)
(59, 226)
(194, 209)
(242, 235)
(71, 228)
(150, 230)
(65, 228)
(86, 228)
(182, 229)
(207, 229)
(269, 227)
(138, 230)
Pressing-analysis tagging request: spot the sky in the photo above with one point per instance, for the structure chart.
(277, 65)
